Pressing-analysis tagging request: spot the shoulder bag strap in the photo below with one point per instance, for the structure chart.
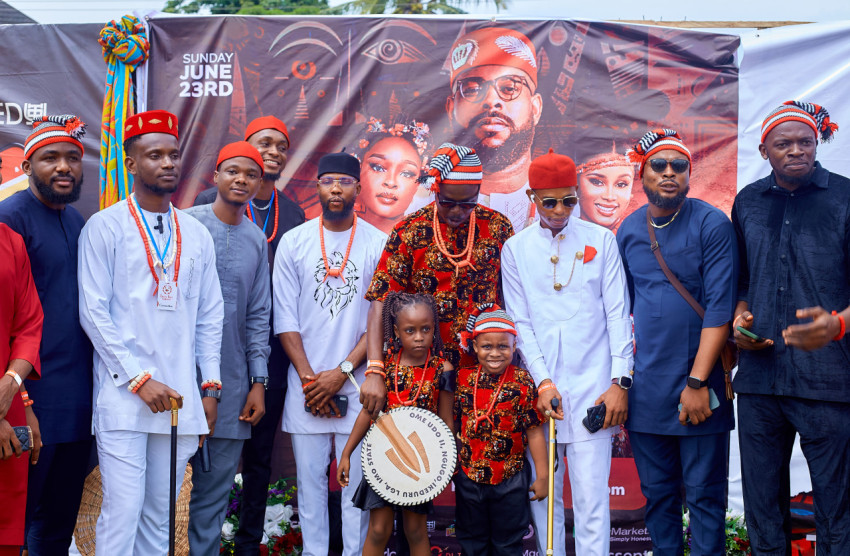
(653, 244)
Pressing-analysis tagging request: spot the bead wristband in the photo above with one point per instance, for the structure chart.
(375, 372)
(137, 382)
(26, 398)
(548, 386)
(211, 384)
(843, 327)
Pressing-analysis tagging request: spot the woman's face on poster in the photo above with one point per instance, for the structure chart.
(604, 194)
(389, 175)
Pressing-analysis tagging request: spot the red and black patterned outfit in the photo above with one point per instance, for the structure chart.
(408, 384)
(495, 451)
(412, 263)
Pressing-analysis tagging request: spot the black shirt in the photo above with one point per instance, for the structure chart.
(794, 254)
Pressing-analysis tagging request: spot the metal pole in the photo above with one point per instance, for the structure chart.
(172, 494)
(553, 448)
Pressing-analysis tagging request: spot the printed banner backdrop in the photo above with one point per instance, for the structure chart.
(49, 69)
(339, 82)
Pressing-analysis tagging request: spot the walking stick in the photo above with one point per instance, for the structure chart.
(172, 494)
(553, 447)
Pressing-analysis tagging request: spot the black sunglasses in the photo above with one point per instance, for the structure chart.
(450, 204)
(551, 202)
(679, 165)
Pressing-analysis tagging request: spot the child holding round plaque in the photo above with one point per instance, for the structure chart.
(417, 376)
(495, 404)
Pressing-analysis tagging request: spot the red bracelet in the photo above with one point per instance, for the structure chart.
(843, 328)
(548, 386)
(375, 371)
(140, 383)
(303, 386)
(26, 398)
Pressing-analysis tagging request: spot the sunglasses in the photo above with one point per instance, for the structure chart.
(551, 202)
(679, 165)
(450, 204)
(343, 182)
(474, 89)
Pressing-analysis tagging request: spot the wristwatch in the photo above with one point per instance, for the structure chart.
(264, 380)
(624, 382)
(695, 383)
(346, 367)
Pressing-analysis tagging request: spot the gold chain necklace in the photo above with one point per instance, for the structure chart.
(656, 226)
(554, 260)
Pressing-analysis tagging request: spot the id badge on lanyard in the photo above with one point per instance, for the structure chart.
(166, 296)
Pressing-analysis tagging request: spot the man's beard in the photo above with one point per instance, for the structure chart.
(347, 209)
(51, 196)
(796, 181)
(157, 190)
(496, 159)
(665, 203)
(268, 176)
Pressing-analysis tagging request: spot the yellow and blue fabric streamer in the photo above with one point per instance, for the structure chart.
(125, 46)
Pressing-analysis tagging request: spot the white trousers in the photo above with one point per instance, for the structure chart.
(312, 457)
(134, 471)
(590, 465)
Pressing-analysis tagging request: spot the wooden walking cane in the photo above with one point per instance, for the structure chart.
(172, 487)
(553, 447)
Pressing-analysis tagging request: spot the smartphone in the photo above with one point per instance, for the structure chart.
(204, 456)
(341, 403)
(24, 435)
(595, 418)
(713, 402)
(749, 334)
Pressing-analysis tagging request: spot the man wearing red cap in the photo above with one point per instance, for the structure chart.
(565, 286)
(679, 414)
(493, 106)
(449, 249)
(50, 226)
(275, 213)
(151, 303)
(241, 258)
(793, 229)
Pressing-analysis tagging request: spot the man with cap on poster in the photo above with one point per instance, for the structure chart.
(449, 249)
(321, 271)
(793, 229)
(494, 106)
(679, 414)
(241, 258)
(151, 303)
(565, 286)
(42, 215)
(276, 214)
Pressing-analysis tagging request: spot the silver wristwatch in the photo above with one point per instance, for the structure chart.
(346, 367)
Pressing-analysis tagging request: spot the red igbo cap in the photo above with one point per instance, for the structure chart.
(266, 122)
(240, 148)
(54, 129)
(655, 140)
(493, 46)
(552, 171)
(152, 121)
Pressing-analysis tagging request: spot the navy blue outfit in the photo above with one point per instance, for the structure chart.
(63, 396)
(699, 247)
(257, 452)
(794, 254)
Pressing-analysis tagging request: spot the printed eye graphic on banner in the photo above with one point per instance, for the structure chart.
(303, 70)
(395, 47)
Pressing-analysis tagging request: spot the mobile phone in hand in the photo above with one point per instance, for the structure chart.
(341, 402)
(749, 334)
(24, 435)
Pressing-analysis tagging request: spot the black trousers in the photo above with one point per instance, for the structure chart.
(54, 490)
(767, 426)
(492, 519)
(256, 471)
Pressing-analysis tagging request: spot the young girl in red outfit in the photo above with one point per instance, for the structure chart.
(415, 374)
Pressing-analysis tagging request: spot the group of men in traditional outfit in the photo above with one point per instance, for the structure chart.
(237, 303)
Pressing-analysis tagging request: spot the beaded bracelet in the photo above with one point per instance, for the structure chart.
(137, 381)
(26, 398)
(375, 372)
(15, 376)
(375, 363)
(548, 386)
(212, 384)
(843, 327)
(139, 384)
